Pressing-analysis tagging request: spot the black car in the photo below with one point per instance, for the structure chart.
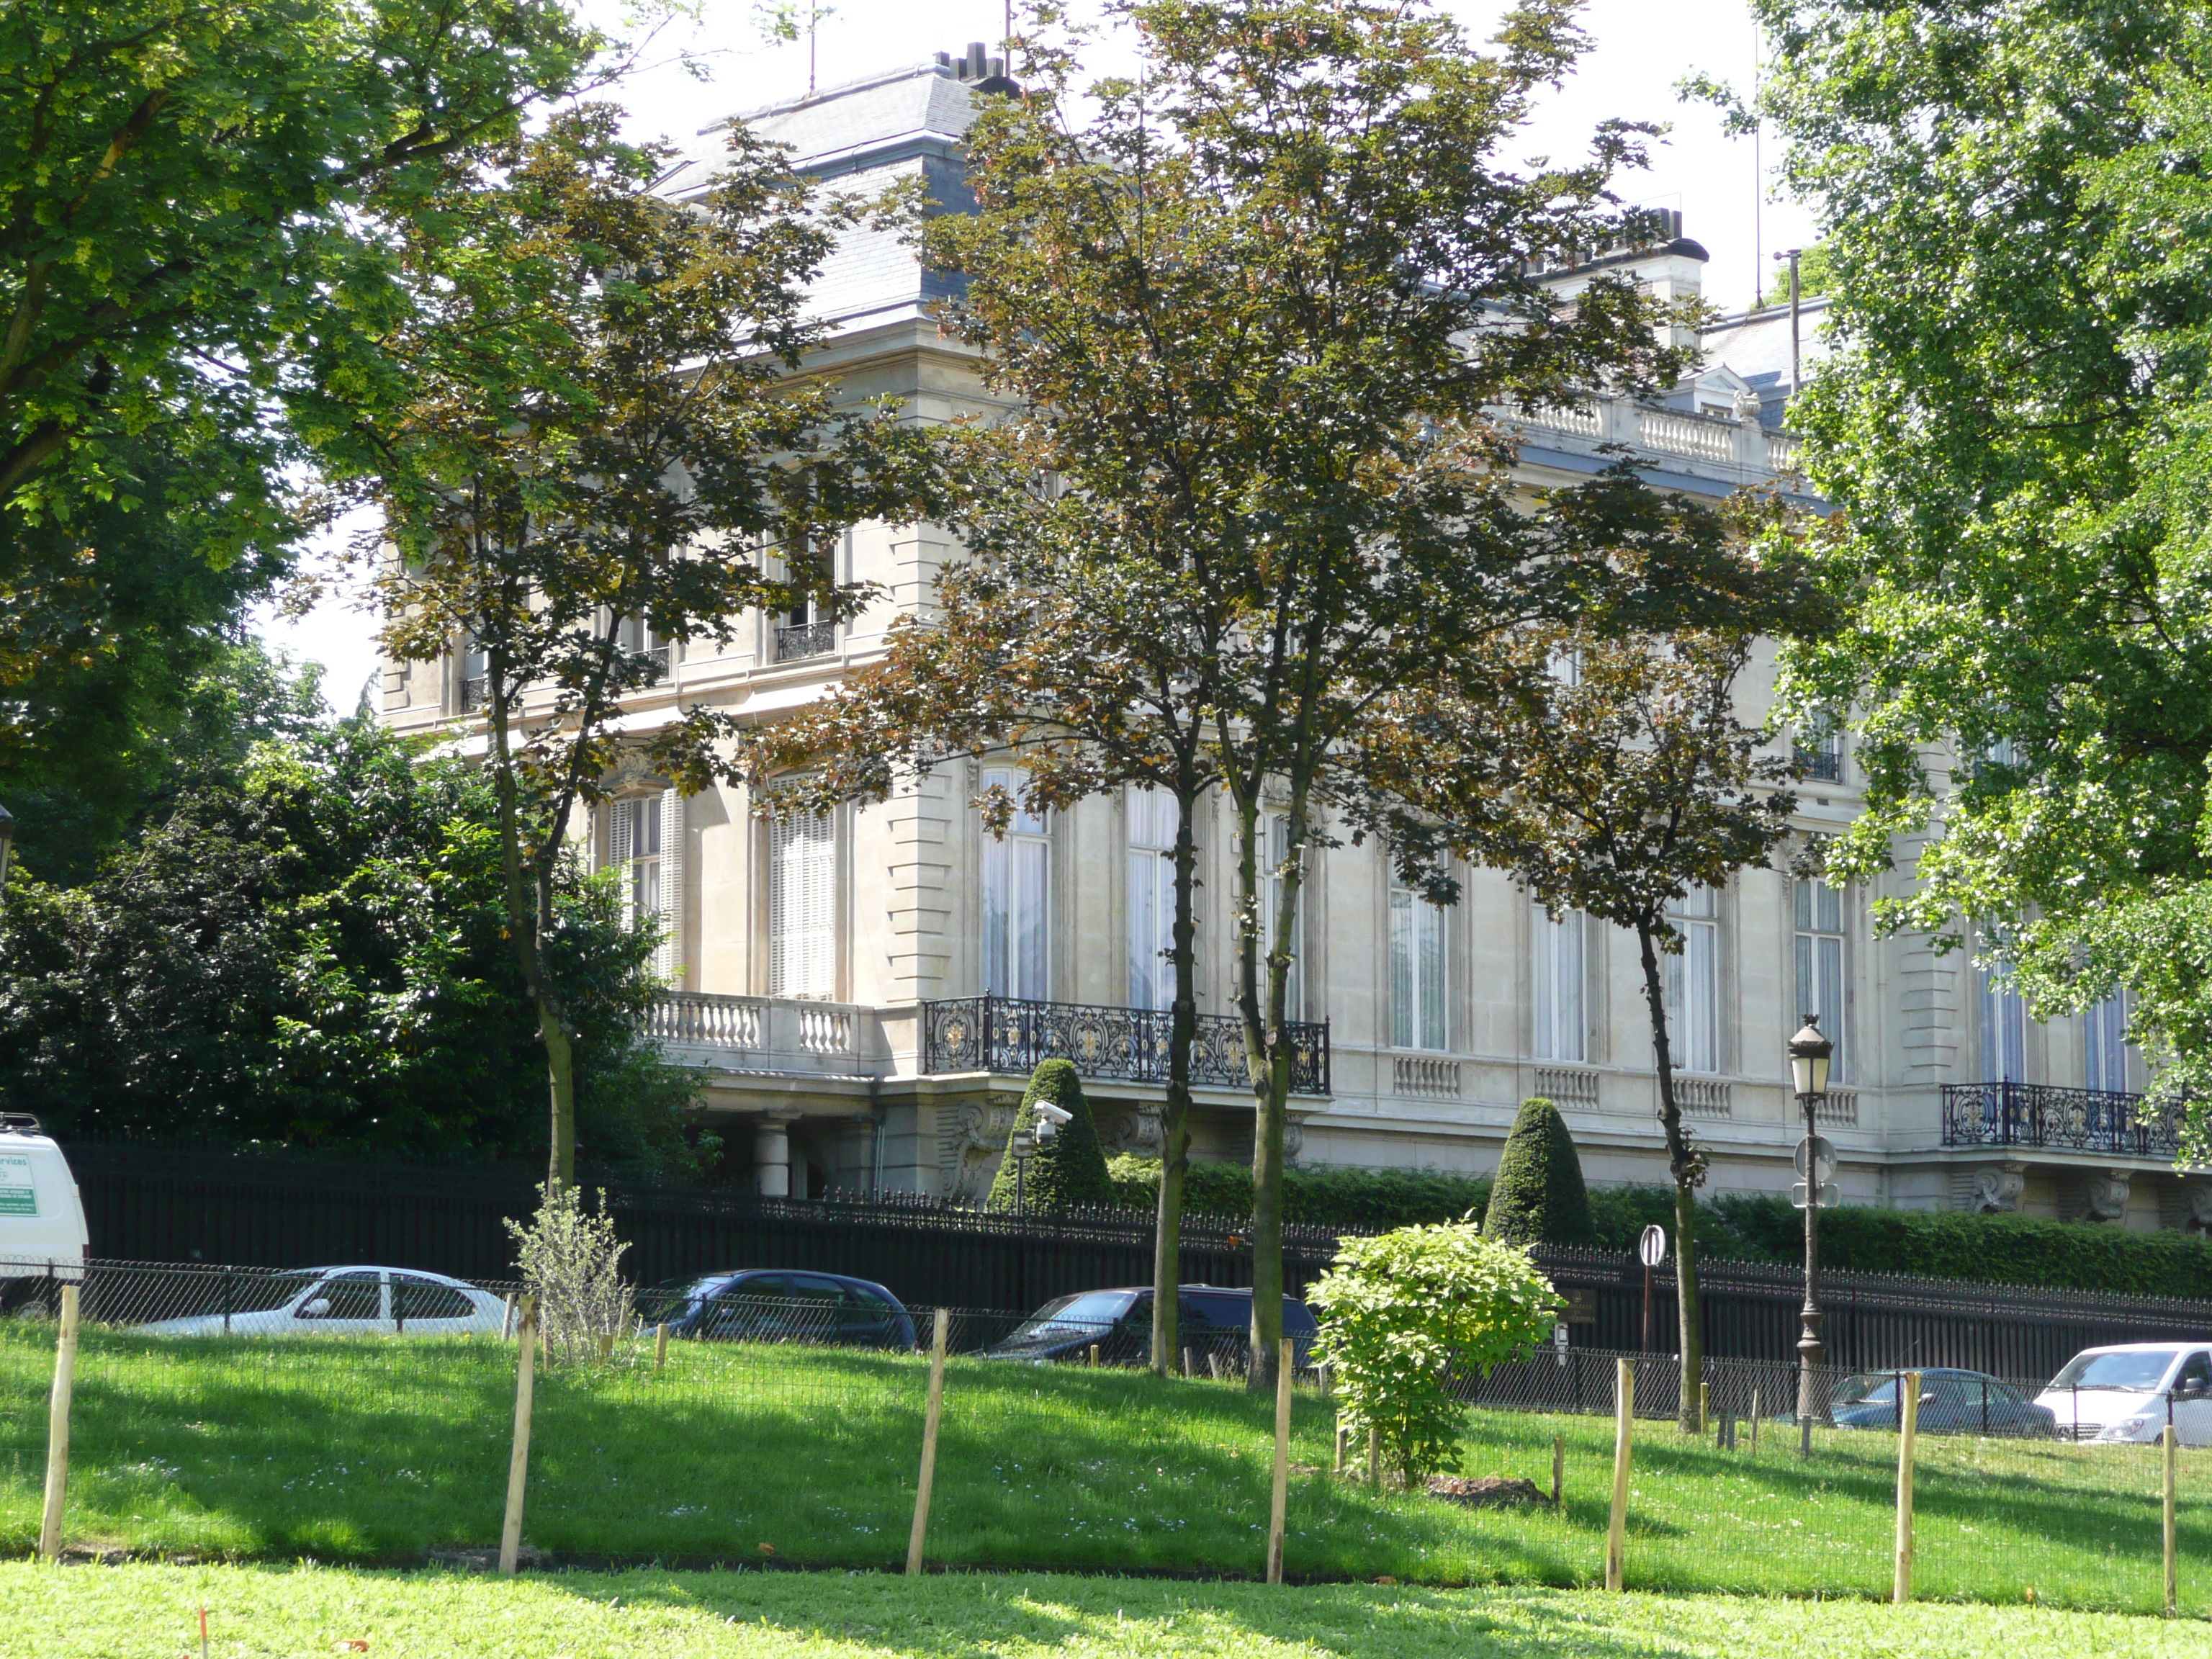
(1212, 1324)
(775, 1304)
(1952, 1401)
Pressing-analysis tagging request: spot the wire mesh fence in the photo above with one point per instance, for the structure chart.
(363, 1430)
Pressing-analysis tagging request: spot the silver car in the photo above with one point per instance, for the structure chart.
(352, 1301)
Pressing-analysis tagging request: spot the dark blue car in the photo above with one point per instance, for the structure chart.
(776, 1304)
(1213, 1327)
(1951, 1402)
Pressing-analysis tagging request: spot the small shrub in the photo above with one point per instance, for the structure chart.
(1069, 1170)
(1403, 1313)
(1327, 1194)
(570, 1260)
(1539, 1197)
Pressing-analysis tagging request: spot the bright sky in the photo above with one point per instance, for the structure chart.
(1642, 49)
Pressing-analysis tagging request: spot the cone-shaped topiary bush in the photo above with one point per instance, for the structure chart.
(1070, 1168)
(1538, 1197)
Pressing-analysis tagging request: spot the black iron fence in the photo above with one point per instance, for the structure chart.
(2044, 1114)
(1011, 1036)
(153, 1205)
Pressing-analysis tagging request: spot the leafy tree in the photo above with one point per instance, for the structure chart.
(1814, 274)
(1068, 1170)
(1263, 296)
(2013, 428)
(1404, 1314)
(1067, 639)
(1537, 1196)
(604, 427)
(270, 133)
(310, 956)
(1611, 774)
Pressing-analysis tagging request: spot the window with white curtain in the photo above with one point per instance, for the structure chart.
(2004, 1030)
(1693, 981)
(1562, 1029)
(645, 842)
(1017, 902)
(2104, 1045)
(802, 922)
(1152, 820)
(1276, 871)
(1820, 967)
(1417, 971)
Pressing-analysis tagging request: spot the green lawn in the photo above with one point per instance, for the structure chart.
(380, 1450)
(151, 1612)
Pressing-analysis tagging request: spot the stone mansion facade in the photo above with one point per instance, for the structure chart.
(866, 991)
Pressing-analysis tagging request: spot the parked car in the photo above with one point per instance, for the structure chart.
(2122, 1393)
(42, 1232)
(1951, 1402)
(773, 1304)
(347, 1301)
(1213, 1323)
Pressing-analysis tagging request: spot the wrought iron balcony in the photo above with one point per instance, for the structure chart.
(1009, 1036)
(2042, 1116)
(817, 639)
(1823, 765)
(472, 694)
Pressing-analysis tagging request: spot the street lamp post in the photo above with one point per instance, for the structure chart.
(1809, 1070)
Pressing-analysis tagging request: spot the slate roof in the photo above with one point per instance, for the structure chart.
(863, 136)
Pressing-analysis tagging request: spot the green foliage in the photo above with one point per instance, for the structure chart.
(1326, 1196)
(1815, 272)
(1538, 1197)
(2014, 429)
(1069, 1170)
(1404, 1312)
(311, 955)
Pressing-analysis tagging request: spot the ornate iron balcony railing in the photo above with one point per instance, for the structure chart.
(804, 639)
(1823, 765)
(1009, 1036)
(2040, 1115)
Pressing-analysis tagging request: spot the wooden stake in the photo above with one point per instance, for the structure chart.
(606, 1345)
(518, 1463)
(57, 1430)
(1624, 1430)
(1374, 1457)
(1559, 1469)
(1186, 1370)
(1343, 1434)
(928, 1442)
(1908, 1431)
(1094, 1356)
(506, 1318)
(1279, 1505)
(660, 1346)
(1704, 1404)
(1754, 1422)
(2171, 1484)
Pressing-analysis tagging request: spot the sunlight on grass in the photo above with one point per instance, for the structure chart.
(379, 1450)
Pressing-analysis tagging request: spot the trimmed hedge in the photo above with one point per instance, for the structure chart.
(2003, 1249)
(1068, 1171)
(1336, 1195)
(1538, 1197)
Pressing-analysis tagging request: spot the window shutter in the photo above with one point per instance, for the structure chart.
(619, 837)
(802, 907)
(668, 961)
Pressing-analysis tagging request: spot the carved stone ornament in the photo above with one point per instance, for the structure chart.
(1294, 1142)
(631, 773)
(1746, 407)
(978, 1140)
(1137, 1129)
(2198, 1196)
(2107, 1192)
(1997, 1189)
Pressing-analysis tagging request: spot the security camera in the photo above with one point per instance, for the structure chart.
(1050, 1118)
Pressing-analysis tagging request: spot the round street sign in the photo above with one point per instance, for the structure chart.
(1651, 1248)
(1823, 1154)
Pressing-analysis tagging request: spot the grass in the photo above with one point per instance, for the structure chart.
(369, 1451)
(262, 1612)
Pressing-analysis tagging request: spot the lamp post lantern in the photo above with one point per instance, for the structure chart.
(1809, 1054)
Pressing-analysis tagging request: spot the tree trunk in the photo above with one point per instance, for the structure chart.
(1175, 1115)
(1268, 1049)
(561, 1075)
(1687, 1169)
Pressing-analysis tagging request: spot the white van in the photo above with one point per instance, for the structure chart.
(41, 1219)
(2121, 1393)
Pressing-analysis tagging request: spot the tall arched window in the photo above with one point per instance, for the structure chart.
(1151, 819)
(1017, 902)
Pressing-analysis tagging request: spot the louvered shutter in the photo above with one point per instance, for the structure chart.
(668, 961)
(802, 907)
(619, 839)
